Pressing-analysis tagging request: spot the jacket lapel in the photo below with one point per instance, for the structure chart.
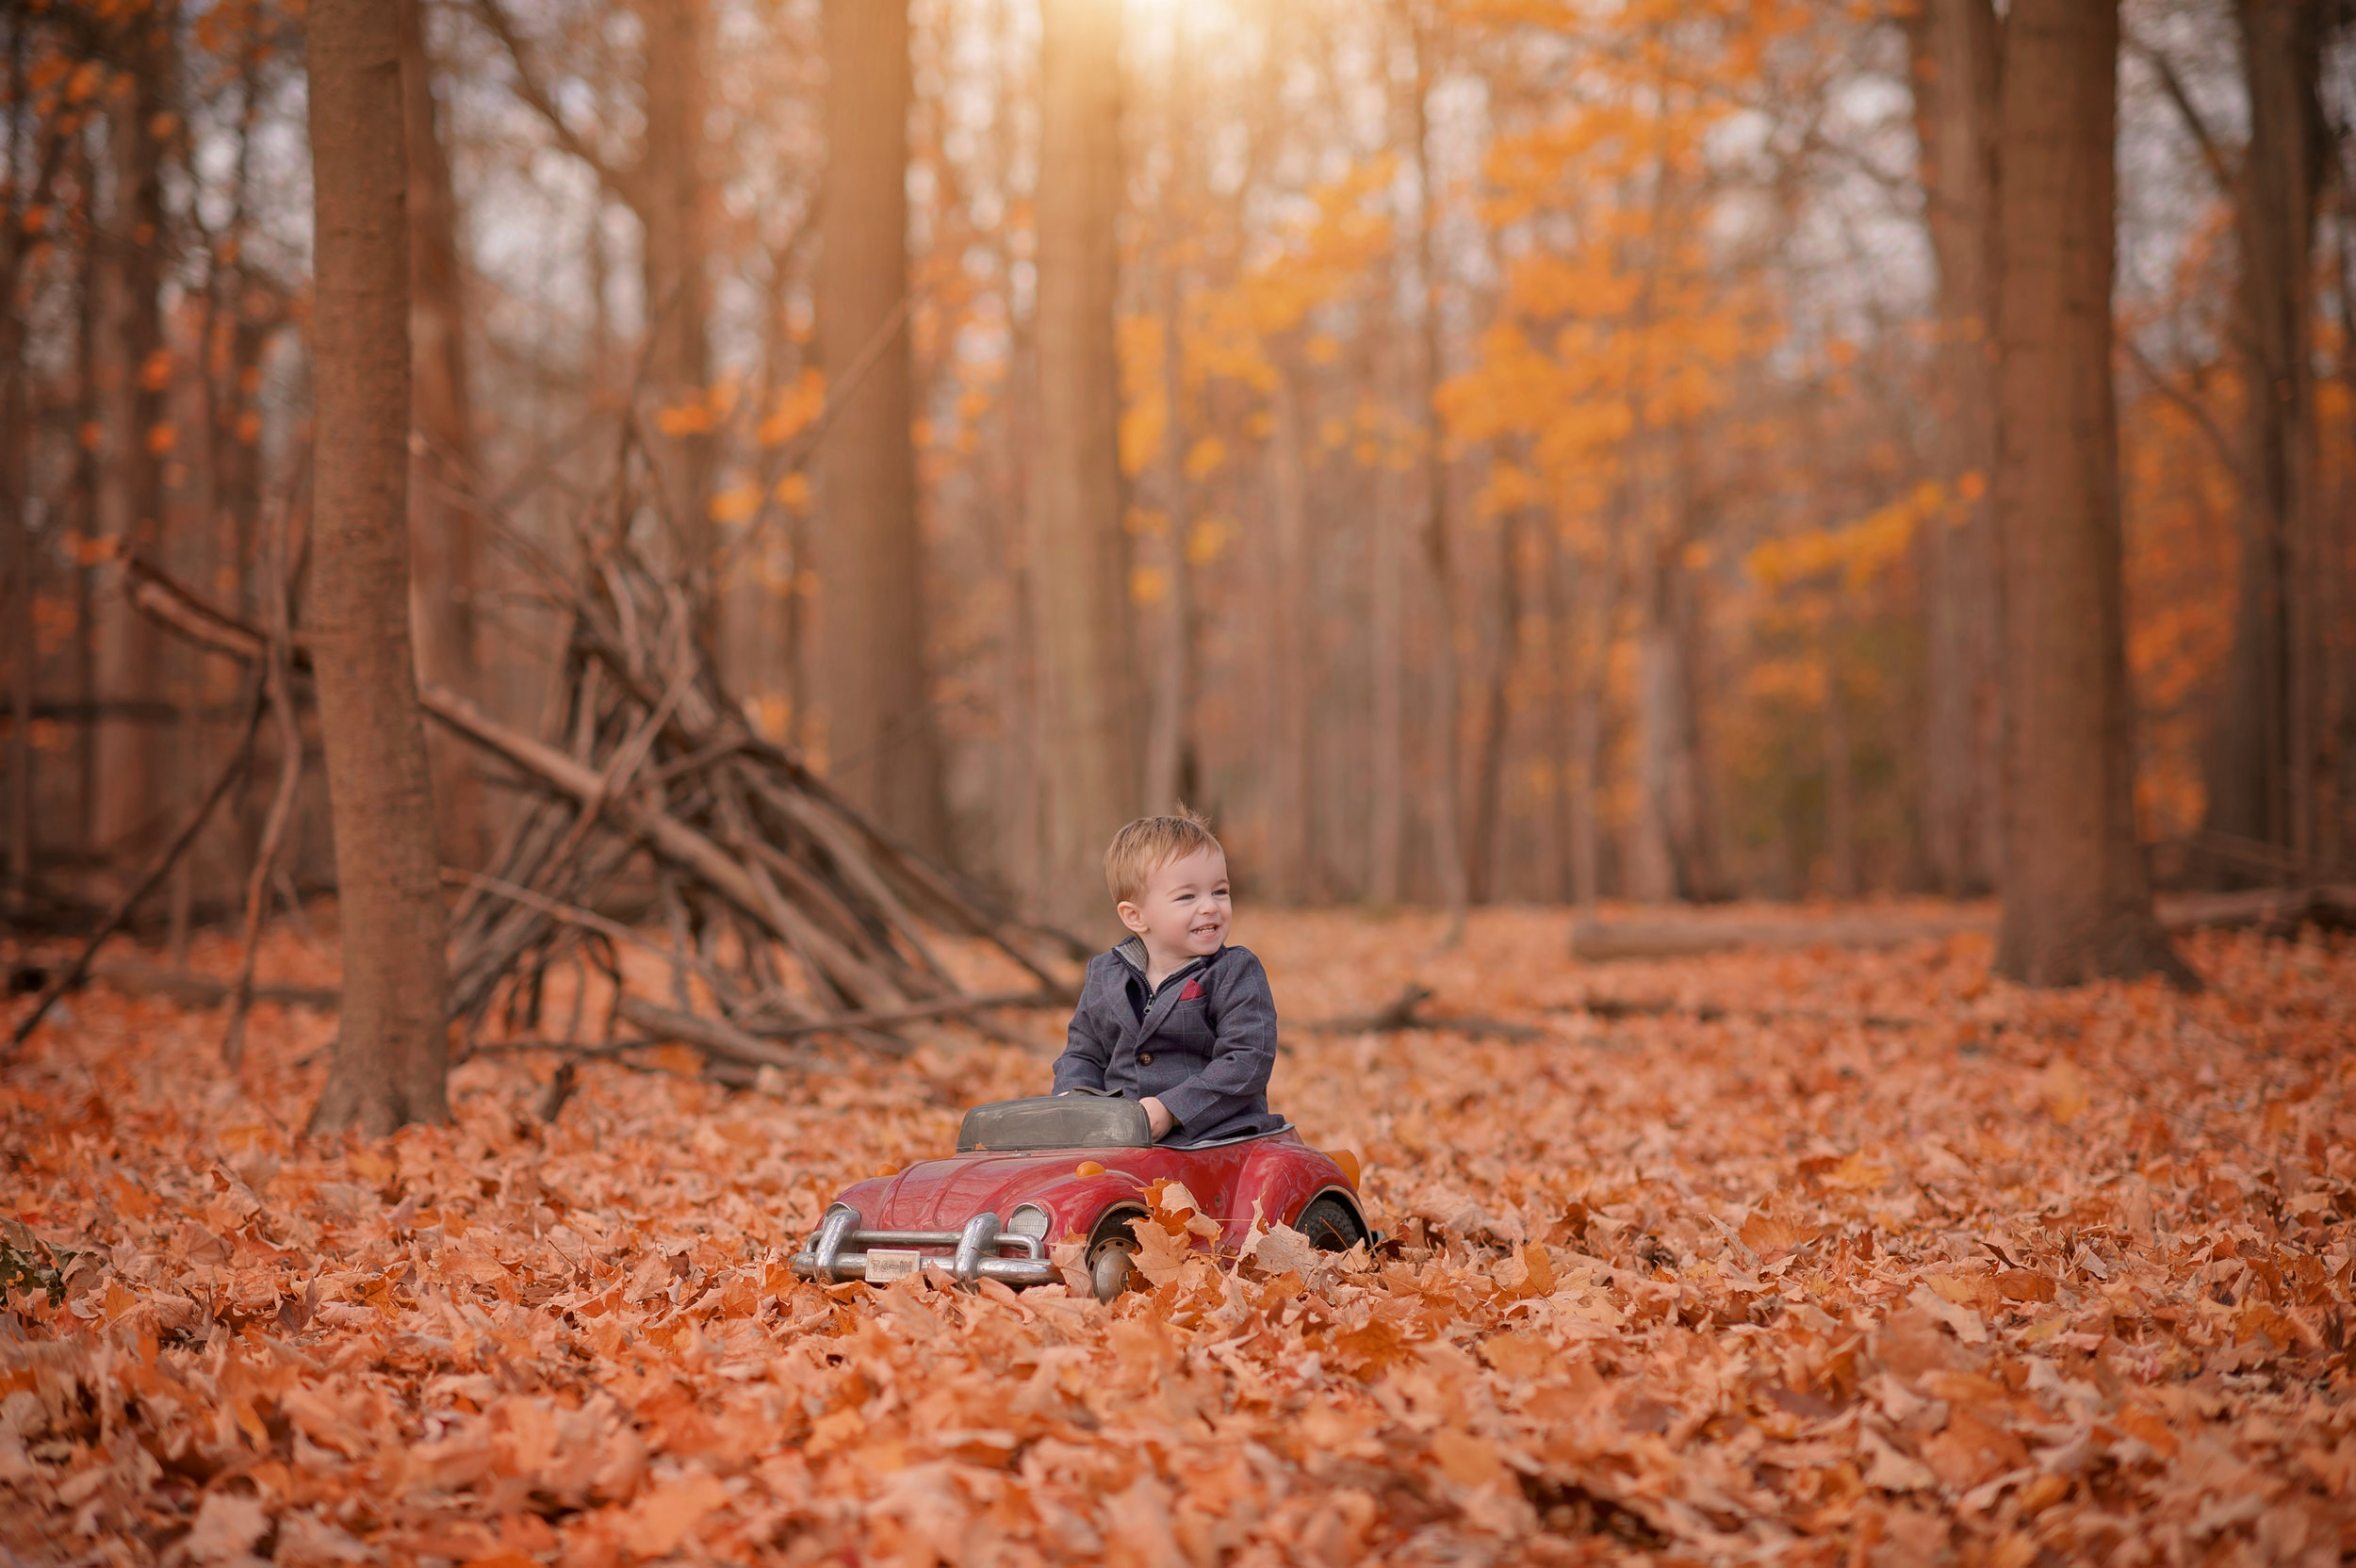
(1166, 998)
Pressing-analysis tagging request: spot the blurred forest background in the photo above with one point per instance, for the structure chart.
(1533, 450)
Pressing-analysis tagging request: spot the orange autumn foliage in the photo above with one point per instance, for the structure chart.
(1809, 1257)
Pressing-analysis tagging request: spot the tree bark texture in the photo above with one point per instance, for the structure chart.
(1168, 745)
(1955, 64)
(25, 652)
(1090, 766)
(1170, 658)
(1291, 648)
(667, 194)
(390, 1055)
(2263, 751)
(442, 525)
(1840, 775)
(2077, 903)
(1672, 853)
(881, 748)
(1483, 873)
(129, 760)
(1441, 809)
(1387, 732)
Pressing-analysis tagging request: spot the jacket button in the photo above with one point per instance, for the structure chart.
(1146, 1059)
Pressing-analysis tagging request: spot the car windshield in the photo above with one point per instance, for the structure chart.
(1055, 1122)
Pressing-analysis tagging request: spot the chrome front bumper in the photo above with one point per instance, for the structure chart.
(842, 1250)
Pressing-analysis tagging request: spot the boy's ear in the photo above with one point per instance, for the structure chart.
(1131, 916)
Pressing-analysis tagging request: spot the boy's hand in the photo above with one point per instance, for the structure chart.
(1159, 1117)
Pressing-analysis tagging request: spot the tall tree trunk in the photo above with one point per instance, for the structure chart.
(1674, 852)
(390, 1054)
(1488, 848)
(138, 431)
(1292, 639)
(1387, 736)
(667, 194)
(1170, 731)
(1559, 652)
(2335, 581)
(1168, 744)
(1600, 603)
(1954, 60)
(1840, 775)
(89, 517)
(1091, 769)
(24, 653)
(442, 526)
(881, 749)
(2077, 902)
(15, 445)
(1386, 629)
(1440, 809)
(2262, 756)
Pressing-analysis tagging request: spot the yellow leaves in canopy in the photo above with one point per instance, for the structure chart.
(1144, 424)
(796, 406)
(1799, 682)
(1511, 488)
(1205, 457)
(1585, 284)
(735, 504)
(1207, 539)
(1326, 256)
(1145, 408)
(1860, 551)
(1148, 585)
(87, 80)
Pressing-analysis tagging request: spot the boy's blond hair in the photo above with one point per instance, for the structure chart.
(1149, 843)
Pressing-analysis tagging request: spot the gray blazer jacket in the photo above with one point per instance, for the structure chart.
(1203, 1042)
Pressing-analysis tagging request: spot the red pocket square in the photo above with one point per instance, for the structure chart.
(1190, 990)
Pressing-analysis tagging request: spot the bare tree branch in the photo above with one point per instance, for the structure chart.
(2212, 152)
(624, 183)
(2226, 451)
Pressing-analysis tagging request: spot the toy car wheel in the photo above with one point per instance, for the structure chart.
(1109, 1270)
(1330, 1225)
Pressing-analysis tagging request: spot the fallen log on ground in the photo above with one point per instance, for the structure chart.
(1404, 1012)
(1688, 933)
(203, 990)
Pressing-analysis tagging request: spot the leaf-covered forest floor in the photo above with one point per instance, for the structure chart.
(1824, 1257)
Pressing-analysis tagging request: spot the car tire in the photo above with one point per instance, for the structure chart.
(1331, 1225)
(1109, 1269)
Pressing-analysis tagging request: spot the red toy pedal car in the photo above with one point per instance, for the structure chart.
(1030, 1172)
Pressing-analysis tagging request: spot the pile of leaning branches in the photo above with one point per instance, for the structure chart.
(784, 913)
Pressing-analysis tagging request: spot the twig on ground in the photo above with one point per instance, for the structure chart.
(1404, 1012)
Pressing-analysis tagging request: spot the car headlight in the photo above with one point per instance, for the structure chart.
(1029, 1221)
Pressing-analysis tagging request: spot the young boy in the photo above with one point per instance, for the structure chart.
(1173, 1018)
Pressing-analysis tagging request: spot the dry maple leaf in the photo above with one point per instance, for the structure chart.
(2157, 1341)
(1160, 1255)
(1281, 1250)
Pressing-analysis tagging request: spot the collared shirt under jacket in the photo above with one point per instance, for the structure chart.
(1202, 1042)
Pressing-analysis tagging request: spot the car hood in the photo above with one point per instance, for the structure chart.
(943, 1194)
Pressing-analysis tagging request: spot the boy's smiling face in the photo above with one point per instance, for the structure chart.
(1184, 910)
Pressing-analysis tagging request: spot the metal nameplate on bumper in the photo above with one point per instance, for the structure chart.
(842, 1249)
(885, 1263)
